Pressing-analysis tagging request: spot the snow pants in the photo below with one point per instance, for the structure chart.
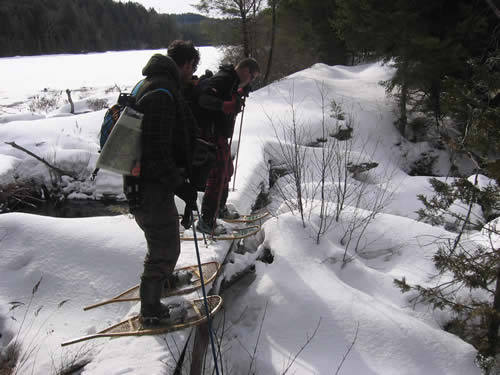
(157, 216)
(218, 181)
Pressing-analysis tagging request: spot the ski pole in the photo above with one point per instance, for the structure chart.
(238, 149)
(209, 320)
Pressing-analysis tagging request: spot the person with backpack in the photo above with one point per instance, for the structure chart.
(219, 101)
(167, 140)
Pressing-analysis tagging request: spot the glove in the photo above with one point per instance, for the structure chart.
(187, 217)
(188, 194)
(232, 106)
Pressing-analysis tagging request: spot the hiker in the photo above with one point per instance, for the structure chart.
(220, 101)
(164, 169)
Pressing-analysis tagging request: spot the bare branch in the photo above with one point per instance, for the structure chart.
(258, 338)
(308, 341)
(58, 170)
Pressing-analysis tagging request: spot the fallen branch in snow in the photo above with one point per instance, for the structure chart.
(15, 194)
(58, 170)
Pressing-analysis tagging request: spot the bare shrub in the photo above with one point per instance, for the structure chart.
(18, 194)
(290, 137)
(97, 104)
(327, 178)
(45, 103)
(28, 338)
(113, 89)
(70, 363)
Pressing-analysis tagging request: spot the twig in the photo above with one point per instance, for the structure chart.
(219, 342)
(348, 350)
(308, 341)
(258, 338)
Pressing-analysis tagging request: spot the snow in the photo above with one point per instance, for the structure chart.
(172, 7)
(307, 310)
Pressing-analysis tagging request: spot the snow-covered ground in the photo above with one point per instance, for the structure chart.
(307, 312)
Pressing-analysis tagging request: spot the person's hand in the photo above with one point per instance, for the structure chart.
(187, 192)
(244, 92)
(232, 106)
(187, 217)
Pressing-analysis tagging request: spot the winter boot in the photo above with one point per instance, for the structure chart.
(153, 312)
(178, 278)
(229, 214)
(205, 227)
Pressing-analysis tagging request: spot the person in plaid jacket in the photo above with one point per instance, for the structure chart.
(167, 138)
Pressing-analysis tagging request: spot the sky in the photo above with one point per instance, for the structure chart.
(315, 309)
(168, 6)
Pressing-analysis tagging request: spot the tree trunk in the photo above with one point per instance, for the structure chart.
(273, 38)
(403, 100)
(494, 323)
(435, 97)
(68, 92)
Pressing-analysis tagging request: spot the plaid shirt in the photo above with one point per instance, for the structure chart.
(166, 126)
(158, 161)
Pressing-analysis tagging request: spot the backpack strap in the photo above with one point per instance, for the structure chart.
(136, 88)
(152, 92)
(133, 94)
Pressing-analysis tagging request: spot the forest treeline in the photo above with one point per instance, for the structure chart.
(445, 52)
(72, 26)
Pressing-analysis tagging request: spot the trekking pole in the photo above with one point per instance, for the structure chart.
(207, 310)
(238, 149)
(203, 233)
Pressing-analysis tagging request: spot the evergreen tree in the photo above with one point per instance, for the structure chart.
(314, 28)
(473, 101)
(244, 10)
(468, 265)
(428, 41)
(51, 26)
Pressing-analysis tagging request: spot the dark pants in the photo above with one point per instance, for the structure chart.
(157, 216)
(218, 181)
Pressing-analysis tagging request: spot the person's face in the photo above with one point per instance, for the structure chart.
(187, 70)
(247, 77)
